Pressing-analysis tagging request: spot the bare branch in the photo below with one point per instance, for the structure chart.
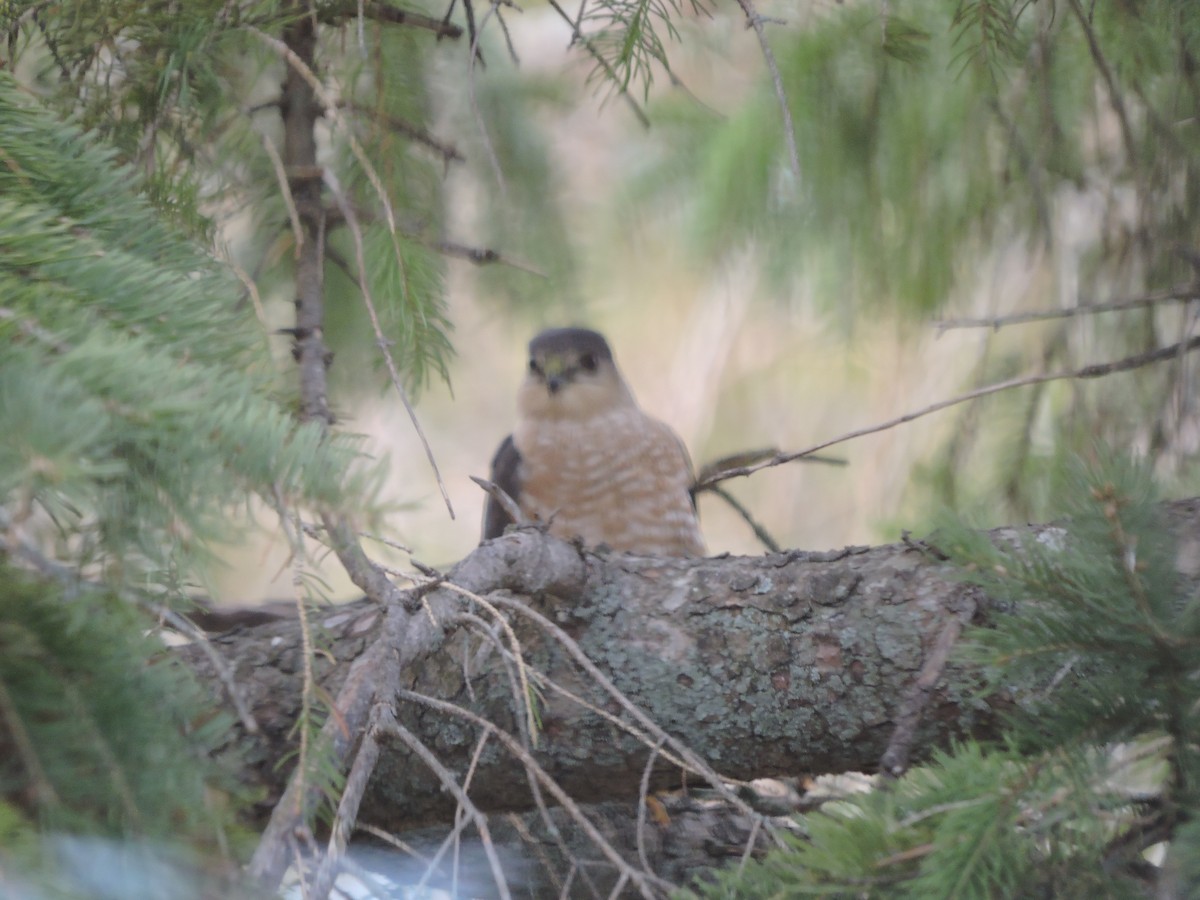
(689, 759)
(446, 777)
(489, 149)
(185, 626)
(1094, 371)
(285, 190)
(497, 493)
(894, 761)
(760, 532)
(448, 152)
(643, 880)
(643, 800)
(481, 257)
(1182, 294)
(381, 12)
(348, 803)
(1110, 81)
(755, 21)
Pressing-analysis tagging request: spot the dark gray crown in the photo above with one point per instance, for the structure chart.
(557, 341)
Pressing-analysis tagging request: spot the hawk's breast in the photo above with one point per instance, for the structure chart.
(619, 479)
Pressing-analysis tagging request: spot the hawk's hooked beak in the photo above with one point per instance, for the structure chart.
(554, 370)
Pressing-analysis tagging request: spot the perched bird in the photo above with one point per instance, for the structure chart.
(585, 459)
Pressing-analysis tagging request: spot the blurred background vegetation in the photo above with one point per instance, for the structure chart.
(970, 159)
(953, 160)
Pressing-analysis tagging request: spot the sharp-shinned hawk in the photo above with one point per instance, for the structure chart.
(587, 461)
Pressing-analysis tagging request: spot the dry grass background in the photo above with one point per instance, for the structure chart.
(725, 363)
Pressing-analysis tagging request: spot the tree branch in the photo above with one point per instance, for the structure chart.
(755, 21)
(334, 13)
(1094, 371)
(1182, 294)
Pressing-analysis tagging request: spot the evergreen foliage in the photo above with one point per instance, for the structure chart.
(1100, 643)
(137, 424)
(103, 732)
(132, 411)
(189, 96)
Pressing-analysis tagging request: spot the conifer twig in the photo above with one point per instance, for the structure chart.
(755, 21)
(578, 36)
(1097, 370)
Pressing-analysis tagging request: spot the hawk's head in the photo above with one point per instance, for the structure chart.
(571, 375)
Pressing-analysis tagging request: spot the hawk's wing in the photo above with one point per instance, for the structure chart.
(506, 477)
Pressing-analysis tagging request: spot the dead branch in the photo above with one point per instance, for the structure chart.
(1183, 294)
(448, 152)
(644, 880)
(1097, 370)
(755, 21)
(382, 12)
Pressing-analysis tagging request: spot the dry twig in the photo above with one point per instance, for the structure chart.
(1097, 370)
(645, 881)
(755, 21)
(1185, 293)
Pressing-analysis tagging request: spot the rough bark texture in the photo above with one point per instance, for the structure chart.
(783, 664)
(787, 664)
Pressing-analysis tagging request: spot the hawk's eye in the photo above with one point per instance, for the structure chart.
(588, 362)
(534, 367)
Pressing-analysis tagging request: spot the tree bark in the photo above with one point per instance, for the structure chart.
(784, 664)
(789, 664)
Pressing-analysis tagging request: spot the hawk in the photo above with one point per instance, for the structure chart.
(585, 459)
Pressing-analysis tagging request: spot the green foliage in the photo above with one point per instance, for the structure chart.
(388, 99)
(186, 96)
(131, 410)
(1098, 639)
(628, 36)
(102, 733)
(926, 131)
(884, 139)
